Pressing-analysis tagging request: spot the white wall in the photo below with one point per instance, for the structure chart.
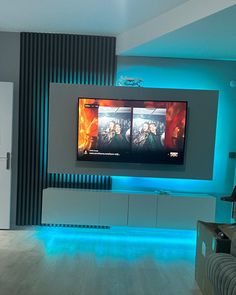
(190, 74)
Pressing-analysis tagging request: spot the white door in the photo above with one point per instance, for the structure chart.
(6, 109)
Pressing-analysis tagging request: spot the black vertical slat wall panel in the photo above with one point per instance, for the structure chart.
(59, 58)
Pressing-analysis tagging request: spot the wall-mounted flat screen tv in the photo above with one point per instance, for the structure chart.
(132, 131)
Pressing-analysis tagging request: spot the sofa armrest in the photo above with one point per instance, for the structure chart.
(221, 272)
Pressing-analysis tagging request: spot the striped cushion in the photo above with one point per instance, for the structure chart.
(221, 271)
(233, 245)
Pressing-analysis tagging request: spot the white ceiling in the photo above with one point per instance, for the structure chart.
(213, 37)
(164, 28)
(100, 17)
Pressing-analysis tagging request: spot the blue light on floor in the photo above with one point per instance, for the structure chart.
(119, 243)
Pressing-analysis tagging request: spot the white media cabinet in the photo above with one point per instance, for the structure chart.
(114, 208)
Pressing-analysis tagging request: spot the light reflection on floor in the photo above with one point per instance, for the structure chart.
(130, 244)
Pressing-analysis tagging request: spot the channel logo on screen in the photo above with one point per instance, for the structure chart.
(174, 154)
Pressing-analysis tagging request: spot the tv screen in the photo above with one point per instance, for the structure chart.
(133, 131)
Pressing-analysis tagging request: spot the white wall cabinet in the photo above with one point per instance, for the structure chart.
(183, 211)
(68, 206)
(113, 209)
(142, 210)
(109, 208)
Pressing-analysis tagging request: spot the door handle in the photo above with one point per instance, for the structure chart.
(7, 159)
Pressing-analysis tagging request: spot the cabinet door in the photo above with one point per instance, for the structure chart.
(183, 212)
(68, 206)
(142, 210)
(113, 209)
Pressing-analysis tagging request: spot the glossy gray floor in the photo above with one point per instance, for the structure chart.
(67, 261)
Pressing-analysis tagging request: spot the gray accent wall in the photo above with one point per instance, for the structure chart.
(200, 137)
(9, 72)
